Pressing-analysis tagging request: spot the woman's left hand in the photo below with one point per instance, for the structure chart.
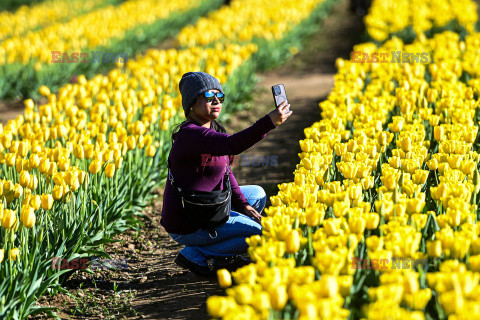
(252, 213)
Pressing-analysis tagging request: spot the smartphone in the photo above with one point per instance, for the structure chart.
(279, 94)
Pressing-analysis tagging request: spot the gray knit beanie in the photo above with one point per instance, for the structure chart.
(194, 83)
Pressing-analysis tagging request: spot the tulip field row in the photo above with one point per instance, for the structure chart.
(380, 221)
(31, 18)
(78, 169)
(110, 28)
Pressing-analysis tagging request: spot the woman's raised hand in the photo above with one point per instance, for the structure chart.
(280, 114)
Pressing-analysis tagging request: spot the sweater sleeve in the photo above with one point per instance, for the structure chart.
(202, 140)
(239, 202)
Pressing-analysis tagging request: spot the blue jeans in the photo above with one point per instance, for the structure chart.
(230, 239)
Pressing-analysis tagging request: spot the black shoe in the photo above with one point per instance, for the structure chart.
(231, 263)
(197, 269)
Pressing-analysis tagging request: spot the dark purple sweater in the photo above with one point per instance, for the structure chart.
(193, 152)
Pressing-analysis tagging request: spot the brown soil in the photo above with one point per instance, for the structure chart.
(153, 287)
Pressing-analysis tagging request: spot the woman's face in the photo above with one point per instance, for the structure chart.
(204, 110)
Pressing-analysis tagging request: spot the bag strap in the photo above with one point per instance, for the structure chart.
(170, 175)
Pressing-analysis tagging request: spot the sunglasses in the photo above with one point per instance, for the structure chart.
(209, 96)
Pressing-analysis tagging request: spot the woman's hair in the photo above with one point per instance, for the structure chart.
(213, 125)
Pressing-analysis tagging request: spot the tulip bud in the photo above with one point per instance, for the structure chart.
(110, 170)
(70, 178)
(24, 178)
(89, 150)
(401, 180)
(58, 192)
(278, 297)
(406, 144)
(44, 91)
(438, 132)
(118, 163)
(35, 202)
(217, 306)
(476, 178)
(313, 217)
(34, 161)
(224, 278)
(18, 191)
(357, 225)
(434, 248)
(293, 241)
(372, 221)
(27, 217)
(432, 164)
(94, 167)
(39, 236)
(131, 143)
(46, 201)
(8, 219)
(151, 150)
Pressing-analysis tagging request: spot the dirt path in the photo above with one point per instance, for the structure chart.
(308, 78)
(152, 286)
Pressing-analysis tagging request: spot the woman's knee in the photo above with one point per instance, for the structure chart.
(241, 226)
(252, 191)
(259, 192)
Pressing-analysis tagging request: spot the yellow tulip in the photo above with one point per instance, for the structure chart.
(27, 217)
(13, 254)
(278, 297)
(24, 178)
(34, 161)
(314, 217)
(131, 143)
(79, 151)
(9, 218)
(357, 225)
(218, 306)
(46, 201)
(293, 241)
(110, 170)
(432, 95)
(118, 163)
(35, 202)
(372, 220)
(94, 167)
(438, 132)
(406, 144)
(18, 191)
(340, 208)
(151, 151)
(224, 278)
(70, 178)
(89, 150)
(58, 192)
(434, 248)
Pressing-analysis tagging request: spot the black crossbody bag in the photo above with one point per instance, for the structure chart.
(209, 210)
